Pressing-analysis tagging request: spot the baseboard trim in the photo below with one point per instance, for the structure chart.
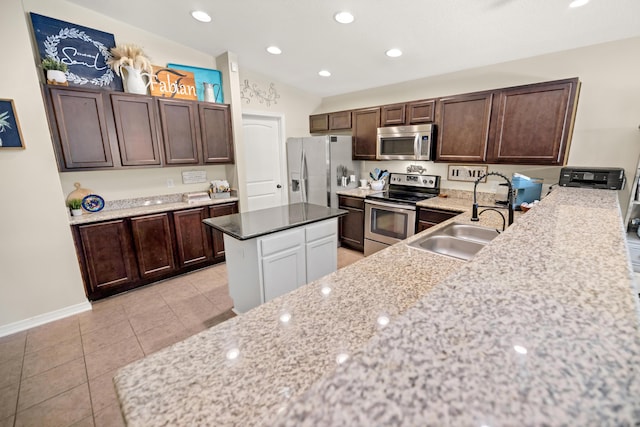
(41, 319)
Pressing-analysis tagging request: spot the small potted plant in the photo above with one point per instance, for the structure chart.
(55, 70)
(76, 206)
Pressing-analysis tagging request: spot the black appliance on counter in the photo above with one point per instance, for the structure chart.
(592, 177)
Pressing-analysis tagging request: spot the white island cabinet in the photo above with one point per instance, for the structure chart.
(296, 246)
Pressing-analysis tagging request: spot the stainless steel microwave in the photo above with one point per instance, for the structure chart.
(406, 142)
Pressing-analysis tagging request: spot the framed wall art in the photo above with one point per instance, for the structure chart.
(202, 76)
(10, 135)
(84, 50)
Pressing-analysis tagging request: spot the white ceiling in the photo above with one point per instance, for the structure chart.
(436, 36)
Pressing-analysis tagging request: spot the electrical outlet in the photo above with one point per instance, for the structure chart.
(170, 183)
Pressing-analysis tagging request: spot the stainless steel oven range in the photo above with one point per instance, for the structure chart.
(390, 216)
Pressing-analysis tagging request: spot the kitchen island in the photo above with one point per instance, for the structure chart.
(541, 327)
(270, 252)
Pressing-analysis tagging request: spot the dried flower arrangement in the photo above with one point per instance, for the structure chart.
(129, 55)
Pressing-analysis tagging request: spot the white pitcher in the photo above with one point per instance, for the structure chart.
(133, 81)
(211, 91)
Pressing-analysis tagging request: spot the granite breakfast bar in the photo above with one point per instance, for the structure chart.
(541, 327)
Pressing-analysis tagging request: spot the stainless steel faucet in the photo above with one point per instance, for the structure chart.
(475, 216)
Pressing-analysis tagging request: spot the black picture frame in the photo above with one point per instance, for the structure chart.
(84, 50)
(10, 134)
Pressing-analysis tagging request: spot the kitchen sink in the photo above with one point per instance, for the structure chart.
(469, 232)
(456, 240)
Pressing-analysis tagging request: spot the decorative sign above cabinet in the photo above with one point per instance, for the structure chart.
(84, 50)
(205, 78)
(466, 173)
(170, 83)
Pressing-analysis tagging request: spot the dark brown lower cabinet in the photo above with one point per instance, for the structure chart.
(428, 217)
(193, 240)
(351, 226)
(107, 257)
(122, 254)
(217, 236)
(154, 244)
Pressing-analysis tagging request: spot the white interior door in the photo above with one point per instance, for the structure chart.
(264, 161)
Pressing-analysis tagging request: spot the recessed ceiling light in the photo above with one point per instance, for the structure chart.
(201, 16)
(394, 53)
(324, 73)
(578, 3)
(274, 50)
(344, 17)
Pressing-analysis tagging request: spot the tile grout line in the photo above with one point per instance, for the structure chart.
(86, 372)
(15, 413)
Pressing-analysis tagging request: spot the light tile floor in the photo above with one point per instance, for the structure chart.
(60, 374)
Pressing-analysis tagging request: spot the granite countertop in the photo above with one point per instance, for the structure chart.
(541, 328)
(143, 206)
(248, 225)
(357, 192)
(408, 337)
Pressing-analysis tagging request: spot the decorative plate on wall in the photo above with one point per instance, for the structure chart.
(92, 203)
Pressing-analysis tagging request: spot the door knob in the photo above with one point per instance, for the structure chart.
(278, 186)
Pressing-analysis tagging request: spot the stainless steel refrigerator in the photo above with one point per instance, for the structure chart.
(318, 166)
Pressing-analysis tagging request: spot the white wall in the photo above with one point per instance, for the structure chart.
(294, 103)
(606, 127)
(39, 271)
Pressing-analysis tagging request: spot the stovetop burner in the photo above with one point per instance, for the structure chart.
(409, 188)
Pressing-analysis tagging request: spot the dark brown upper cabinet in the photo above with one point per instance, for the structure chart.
(79, 127)
(463, 132)
(93, 129)
(215, 132)
(393, 115)
(365, 131)
(411, 113)
(136, 128)
(533, 123)
(180, 133)
(340, 120)
(318, 123)
(421, 112)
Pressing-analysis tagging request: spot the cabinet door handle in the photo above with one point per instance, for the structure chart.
(278, 186)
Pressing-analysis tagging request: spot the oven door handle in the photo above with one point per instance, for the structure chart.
(391, 205)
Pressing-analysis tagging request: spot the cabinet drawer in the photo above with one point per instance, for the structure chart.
(350, 202)
(281, 242)
(320, 230)
(435, 215)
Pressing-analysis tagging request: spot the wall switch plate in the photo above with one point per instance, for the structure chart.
(170, 183)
